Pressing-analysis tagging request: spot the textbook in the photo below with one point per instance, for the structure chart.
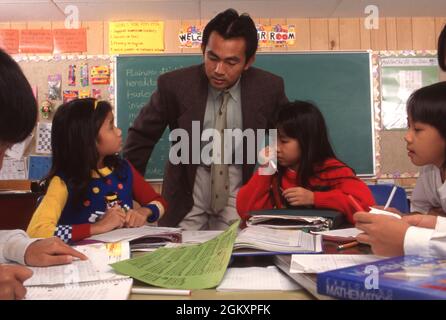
(400, 278)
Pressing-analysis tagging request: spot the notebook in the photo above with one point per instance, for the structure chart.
(89, 279)
(98, 290)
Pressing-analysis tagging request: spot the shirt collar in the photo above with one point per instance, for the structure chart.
(234, 91)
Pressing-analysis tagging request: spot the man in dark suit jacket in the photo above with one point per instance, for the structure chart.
(194, 94)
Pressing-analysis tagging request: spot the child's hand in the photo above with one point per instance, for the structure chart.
(136, 218)
(299, 196)
(421, 220)
(113, 218)
(265, 155)
(383, 233)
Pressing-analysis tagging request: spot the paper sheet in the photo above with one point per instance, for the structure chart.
(256, 278)
(384, 212)
(13, 169)
(198, 266)
(94, 269)
(340, 234)
(316, 263)
(192, 236)
(43, 137)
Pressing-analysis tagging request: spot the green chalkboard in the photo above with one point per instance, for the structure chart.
(339, 83)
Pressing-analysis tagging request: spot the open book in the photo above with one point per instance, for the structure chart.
(90, 279)
(257, 240)
(276, 241)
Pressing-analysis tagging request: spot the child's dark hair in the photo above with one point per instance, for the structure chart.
(18, 107)
(303, 121)
(442, 49)
(428, 105)
(76, 125)
(229, 24)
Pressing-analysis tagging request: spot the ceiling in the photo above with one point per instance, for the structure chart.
(53, 10)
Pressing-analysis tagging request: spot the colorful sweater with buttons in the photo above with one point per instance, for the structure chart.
(59, 215)
(331, 186)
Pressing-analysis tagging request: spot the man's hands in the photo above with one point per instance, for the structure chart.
(11, 281)
(49, 252)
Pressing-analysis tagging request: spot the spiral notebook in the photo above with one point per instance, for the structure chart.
(96, 290)
(92, 279)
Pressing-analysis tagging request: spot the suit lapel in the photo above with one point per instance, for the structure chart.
(250, 101)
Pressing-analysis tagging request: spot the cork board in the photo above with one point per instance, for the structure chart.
(394, 159)
(37, 70)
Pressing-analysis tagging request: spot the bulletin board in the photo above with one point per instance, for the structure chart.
(36, 159)
(397, 75)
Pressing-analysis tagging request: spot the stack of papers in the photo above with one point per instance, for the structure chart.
(141, 238)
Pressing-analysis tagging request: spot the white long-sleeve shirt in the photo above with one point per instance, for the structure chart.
(429, 192)
(13, 244)
(426, 242)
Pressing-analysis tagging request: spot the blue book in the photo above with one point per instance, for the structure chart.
(400, 278)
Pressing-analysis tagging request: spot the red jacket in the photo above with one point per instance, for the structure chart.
(257, 195)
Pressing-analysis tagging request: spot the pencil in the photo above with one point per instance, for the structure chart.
(348, 245)
(355, 203)
(156, 291)
(392, 193)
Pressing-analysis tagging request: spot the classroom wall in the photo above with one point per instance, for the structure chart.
(394, 33)
(401, 33)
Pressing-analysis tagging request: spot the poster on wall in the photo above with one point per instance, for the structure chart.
(400, 76)
(135, 37)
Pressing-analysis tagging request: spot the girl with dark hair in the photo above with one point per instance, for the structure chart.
(90, 189)
(308, 173)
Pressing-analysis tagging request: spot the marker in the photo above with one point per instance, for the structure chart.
(392, 193)
(355, 203)
(170, 292)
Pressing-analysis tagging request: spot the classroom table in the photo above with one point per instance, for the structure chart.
(251, 261)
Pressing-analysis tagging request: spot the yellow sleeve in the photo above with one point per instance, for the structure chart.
(46, 217)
